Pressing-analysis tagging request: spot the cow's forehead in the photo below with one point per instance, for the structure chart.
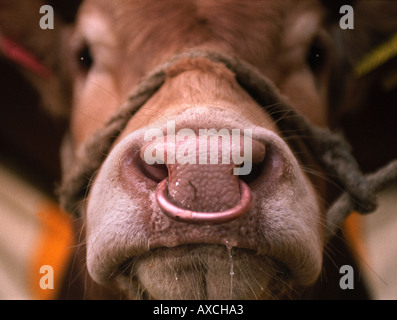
(173, 25)
(222, 17)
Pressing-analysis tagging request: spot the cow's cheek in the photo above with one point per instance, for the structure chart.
(309, 96)
(93, 105)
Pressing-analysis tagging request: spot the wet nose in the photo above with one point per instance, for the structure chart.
(203, 185)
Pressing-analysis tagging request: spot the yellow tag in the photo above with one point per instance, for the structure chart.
(377, 57)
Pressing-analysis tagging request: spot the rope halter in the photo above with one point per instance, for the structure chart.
(330, 149)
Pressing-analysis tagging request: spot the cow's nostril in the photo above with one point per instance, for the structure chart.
(155, 172)
(256, 171)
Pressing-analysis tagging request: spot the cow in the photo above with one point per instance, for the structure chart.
(156, 228)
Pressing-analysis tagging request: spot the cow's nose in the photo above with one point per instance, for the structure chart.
(203, 184)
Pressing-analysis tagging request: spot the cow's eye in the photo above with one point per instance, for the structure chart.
(84, 58)
(316, 56)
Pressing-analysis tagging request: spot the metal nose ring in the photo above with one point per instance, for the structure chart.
(179, 214)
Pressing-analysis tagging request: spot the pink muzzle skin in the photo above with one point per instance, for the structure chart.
(185, 215)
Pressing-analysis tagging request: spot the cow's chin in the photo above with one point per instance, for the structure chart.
(204, 272)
